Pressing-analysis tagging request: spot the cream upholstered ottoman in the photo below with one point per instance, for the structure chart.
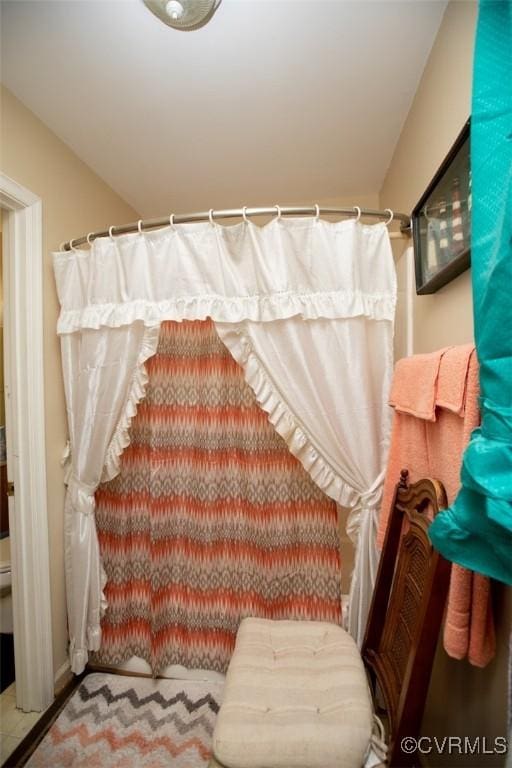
(296, 696)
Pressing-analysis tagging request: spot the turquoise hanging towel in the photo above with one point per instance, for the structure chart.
(476, 531)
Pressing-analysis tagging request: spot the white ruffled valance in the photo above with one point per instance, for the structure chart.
(306, 307)
(243, 272)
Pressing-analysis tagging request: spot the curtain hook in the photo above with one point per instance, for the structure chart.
(278, 209)
(139, 227)
(391, 216)
(210, 216)
(110, 233)
(89, 238)
(317, 209)
(357, 208)
(171, 222)
(244, 214)
(71, 246)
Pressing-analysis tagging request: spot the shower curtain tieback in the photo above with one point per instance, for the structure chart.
(80, 507)
(367, 505)
(306, 307)
(361, 527)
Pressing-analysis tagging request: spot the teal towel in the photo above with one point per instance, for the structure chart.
(476, 531)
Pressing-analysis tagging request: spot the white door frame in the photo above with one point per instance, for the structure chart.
(26, 457)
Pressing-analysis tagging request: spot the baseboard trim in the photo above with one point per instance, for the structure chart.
(106, 670)
(62, 677)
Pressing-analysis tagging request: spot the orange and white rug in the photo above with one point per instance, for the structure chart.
(133, 722)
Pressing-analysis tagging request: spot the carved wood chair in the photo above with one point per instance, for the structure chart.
(407, 611)
(297, 692)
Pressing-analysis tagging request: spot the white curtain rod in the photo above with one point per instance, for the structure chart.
(246, 213)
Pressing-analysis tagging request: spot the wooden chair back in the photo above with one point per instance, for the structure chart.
(406, 612)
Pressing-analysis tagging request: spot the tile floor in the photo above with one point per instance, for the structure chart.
(14, 724)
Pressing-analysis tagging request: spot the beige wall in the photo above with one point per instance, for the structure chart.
(462, 700)
(2, 398)
(75, 201)
(440, 108)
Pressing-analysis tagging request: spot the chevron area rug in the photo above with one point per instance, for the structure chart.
(132, 722)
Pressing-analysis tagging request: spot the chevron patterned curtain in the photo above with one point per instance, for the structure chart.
(211, 518)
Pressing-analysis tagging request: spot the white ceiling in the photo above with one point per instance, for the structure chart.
(272, 101)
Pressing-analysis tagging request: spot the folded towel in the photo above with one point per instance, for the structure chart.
(451, 382)
(413, 390)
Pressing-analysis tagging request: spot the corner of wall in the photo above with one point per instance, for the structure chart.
(439, 110)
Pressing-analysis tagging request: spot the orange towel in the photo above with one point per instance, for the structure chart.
(452, 382)
(430, 447)
(413, 389)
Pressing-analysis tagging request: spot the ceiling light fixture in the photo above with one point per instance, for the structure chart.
(183, 14)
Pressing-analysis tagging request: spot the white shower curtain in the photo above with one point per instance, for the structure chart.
(306, 307)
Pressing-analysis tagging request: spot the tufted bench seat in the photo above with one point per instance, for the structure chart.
(296, 696)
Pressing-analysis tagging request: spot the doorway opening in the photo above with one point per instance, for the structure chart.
(7, 674)
(24, 551)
